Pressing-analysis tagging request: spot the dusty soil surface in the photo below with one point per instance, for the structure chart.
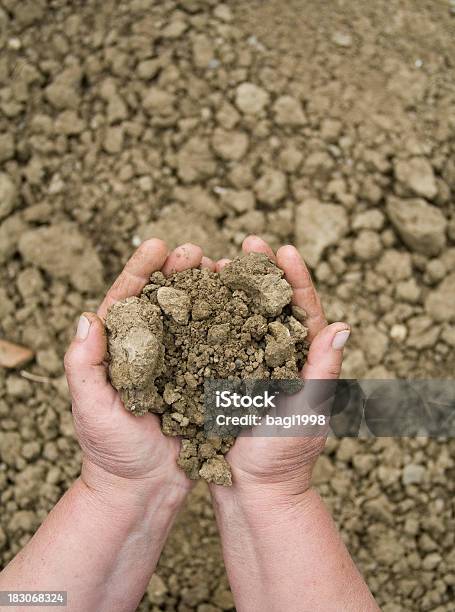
(198, 325)
(329, 125)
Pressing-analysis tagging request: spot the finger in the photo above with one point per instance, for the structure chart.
(148, 258)
(221, 263)
(326, 353)
(183, 257)
(84, 362)
(305, 295)
(254, 244)
(207, 263)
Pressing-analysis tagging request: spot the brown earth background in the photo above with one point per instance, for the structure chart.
(330, 125)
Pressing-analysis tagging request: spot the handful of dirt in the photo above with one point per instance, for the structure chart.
(197, 325)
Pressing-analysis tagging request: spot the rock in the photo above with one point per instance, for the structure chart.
(290, 158)
(395, 265)
(174, 29)
(417, 177)
(240, 201)
(223, 12)
(174, 303)
(279, 346)
(421, 226)
(367, 245)
(158, 102)
(223, 598)
(135, 333)
(8, 195)
(448, 336)
(342, 39)
(7, 147)
(354, 364)
(440, 304)
(195, 161)
(258, 277)
(347, 449)
(216, 470)
(63, 252)
(199, 200)
(156, 590)
(373, 219)
(201, 310)
(19, 387)
(422, 332)
(375, 345)
(289, 111)
(413, 474)
(230, 145)
(117, 109)
(331, 130)
(398, 332)
(322, 471)
(435, 270)
(113, 139)
(408, 290)
(271, 188)
(64, 92)
(218, 334)
(11, 230)
(203, 51)
(318, 164)
(13, 355)
(318, 226)
(147, 69)
(177, 225)
(251, 99)
(69, 123)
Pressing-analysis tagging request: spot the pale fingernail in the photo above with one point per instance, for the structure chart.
(83, 328)
(340, 339)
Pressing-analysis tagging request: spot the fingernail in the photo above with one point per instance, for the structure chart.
(83, 328)
(340, 339)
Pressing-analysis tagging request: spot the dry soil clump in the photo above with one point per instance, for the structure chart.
(198, 325)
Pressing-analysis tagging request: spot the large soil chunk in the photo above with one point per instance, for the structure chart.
(421, 226)
(319, 226)
(136, 352)
(63, 252)
(260, 279)
(251, 99)
(440, 303)
(13, 355)
(174, 303)
(417, 177)
(8, 195)
(198, 325)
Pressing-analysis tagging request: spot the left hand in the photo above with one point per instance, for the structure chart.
(118, 448)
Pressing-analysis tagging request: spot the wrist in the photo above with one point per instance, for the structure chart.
(263, 504)
(119, 493)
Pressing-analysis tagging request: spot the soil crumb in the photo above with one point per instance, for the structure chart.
(197, 325)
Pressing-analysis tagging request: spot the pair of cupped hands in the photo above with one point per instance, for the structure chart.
(122, 451)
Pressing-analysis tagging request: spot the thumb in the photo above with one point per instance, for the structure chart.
(326, 352)
(84, 360)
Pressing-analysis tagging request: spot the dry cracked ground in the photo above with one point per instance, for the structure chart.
(329, 125)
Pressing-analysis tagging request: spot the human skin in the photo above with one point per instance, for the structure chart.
(281, 547)
(103, 539)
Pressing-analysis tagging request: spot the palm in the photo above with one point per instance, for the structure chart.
(112, 438)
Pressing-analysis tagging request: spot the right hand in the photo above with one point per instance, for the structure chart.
(284, 464)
